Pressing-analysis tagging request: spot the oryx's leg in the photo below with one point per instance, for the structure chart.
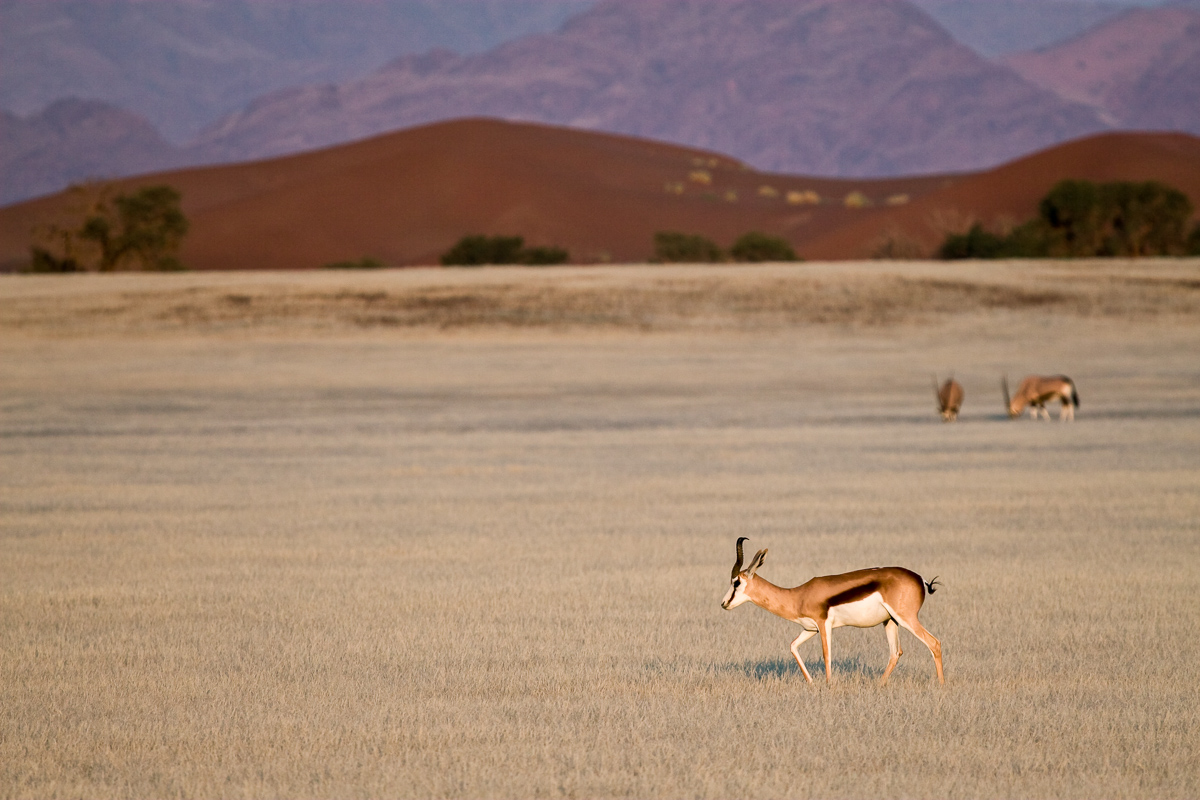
(1068, 410)
(801, 639)
(914, 626)
(826, 648)
(893, 637)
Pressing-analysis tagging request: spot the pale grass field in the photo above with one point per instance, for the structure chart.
(300, 553)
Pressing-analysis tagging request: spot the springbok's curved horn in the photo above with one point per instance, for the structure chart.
(737, 567)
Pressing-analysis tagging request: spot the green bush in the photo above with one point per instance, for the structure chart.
(1079, 219)
(474, 251)
(674, 247)
(366, 262)
(755, 246)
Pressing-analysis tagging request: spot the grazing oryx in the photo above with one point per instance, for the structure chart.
(949, 398)
(863, 598)
(1037, 390)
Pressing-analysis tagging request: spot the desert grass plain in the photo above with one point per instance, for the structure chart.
(438, 533)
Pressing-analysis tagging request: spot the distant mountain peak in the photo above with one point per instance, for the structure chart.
(873, 87)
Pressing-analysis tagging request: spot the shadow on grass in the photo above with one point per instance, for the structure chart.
(780, 668)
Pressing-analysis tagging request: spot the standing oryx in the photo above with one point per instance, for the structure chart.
(949, 398)
(864, 598)
(1037, 390)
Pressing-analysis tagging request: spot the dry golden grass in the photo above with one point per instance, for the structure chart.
(655, 298)
(293, 555)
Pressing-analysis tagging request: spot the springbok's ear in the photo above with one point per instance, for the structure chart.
(756, 562)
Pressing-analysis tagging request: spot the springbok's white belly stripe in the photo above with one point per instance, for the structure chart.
(865, 613)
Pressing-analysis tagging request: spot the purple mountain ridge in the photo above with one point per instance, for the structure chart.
(873, 87)
(76, 140)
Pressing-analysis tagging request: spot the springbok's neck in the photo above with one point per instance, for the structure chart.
(770, 597)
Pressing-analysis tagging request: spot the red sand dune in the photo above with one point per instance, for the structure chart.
(1010, 193)
(406, 197)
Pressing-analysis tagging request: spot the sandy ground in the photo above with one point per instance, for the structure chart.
(338, 539)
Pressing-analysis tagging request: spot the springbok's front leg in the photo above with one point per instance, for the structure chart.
(827, 648)
(801, 639)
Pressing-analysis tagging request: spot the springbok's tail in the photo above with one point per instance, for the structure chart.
(930, 585)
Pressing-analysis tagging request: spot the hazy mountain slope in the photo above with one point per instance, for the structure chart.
(74, 140)
(873, 87)
(182, 64)
(1140, 70)
(997, 27)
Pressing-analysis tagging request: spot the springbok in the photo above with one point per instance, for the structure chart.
(949, 398)
(864, 598)
(1037, 390)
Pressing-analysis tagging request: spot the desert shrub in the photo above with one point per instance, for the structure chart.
(474, 251)
(366, 262)
(544, 256)
(42, 260)
(1024, 241)
(674, 247)
(755, 246)
(975, 243)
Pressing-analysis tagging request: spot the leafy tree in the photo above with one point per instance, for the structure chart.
(1082, 219)
(100, 230)
(1144, 219)
(675, 247)
(1073, 214)
(755, 246)
(146, 227)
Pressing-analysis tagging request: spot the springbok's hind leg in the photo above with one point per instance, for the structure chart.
(915, 627)
(801, 639)
(893, 639)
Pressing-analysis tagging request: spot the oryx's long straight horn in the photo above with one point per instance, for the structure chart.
(1007, 397)
(737, 566)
